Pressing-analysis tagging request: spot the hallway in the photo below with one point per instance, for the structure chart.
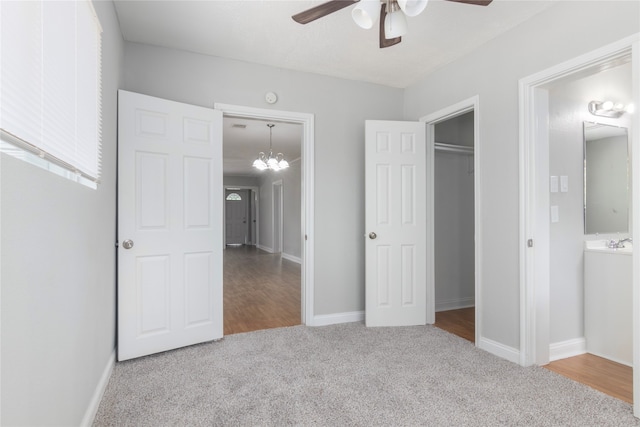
(261, 290)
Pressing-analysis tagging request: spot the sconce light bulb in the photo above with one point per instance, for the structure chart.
(607, 105)
(618, 107)
(630, 108)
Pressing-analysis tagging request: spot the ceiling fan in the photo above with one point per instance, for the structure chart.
(393, 24)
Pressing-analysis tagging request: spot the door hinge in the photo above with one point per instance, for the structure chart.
(117, 244)
(530, 243)
(305, 237)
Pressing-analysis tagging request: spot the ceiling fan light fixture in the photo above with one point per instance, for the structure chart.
(412, 7)
(365, 14)
(395, 25)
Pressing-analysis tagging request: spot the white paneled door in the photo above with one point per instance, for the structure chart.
(395, 188)
(236, 217)
(169, 225)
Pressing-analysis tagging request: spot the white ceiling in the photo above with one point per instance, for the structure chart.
(263, 32)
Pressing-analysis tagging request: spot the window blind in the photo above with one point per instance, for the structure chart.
(50, 82)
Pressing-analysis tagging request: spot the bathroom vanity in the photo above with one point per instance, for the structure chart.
(608, 305)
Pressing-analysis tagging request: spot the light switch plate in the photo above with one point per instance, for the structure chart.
(564, 183)
(555, 214)
(553, 181)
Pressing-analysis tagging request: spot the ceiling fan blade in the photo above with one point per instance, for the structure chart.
(476, 2)
(384, 41)
(322, 10)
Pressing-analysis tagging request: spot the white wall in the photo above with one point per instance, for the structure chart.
(291, 209)
(557, 34)
(567, 112)
(340, 108)
(58, 274)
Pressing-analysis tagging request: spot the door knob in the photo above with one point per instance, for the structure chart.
(372, 235)
(127, 244)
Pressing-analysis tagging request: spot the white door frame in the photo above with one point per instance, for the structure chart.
(470, 104)
(277, 222)
(256, 202)
(534, 205)
(308, 176)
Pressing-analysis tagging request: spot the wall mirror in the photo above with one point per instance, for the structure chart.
(606, 179)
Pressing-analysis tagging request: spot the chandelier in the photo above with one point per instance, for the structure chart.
(272, 162)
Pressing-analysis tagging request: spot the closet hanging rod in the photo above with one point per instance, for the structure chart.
(453, 148)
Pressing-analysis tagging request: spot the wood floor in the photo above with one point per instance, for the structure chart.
(609, 377)
(261, 290)
(604, 375)
(460, 322)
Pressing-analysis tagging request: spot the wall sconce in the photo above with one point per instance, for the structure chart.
(609, 109)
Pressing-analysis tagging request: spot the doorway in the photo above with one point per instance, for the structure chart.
(263, 272)
(454, 225)
(453, 206)
(536, 184)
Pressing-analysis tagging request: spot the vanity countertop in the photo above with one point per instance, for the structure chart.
(602, 246)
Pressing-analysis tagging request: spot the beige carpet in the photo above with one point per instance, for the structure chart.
(347, 375)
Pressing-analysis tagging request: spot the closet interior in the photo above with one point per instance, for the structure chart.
(454, 225)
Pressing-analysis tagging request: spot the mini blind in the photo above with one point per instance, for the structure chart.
(50, 82)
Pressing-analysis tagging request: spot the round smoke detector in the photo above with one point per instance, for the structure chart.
(271, 98)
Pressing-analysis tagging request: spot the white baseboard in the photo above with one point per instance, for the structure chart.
(332, 319)
(92, 409)
(500, 350)
(613, 359)
(264, 248)
(569, 348)
(455, 304)
(295, 259)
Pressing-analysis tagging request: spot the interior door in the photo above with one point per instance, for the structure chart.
(169, 225)
(396, 228)
(236, 217)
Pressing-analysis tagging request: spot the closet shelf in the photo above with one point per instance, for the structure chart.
(453, 148)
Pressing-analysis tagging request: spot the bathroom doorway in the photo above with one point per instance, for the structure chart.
(590, 308)
(537, 344)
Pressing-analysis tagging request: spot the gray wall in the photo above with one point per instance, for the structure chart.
(340, 108)
(58, 274)
(567, 112)
(291, 210)
(558, 34)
